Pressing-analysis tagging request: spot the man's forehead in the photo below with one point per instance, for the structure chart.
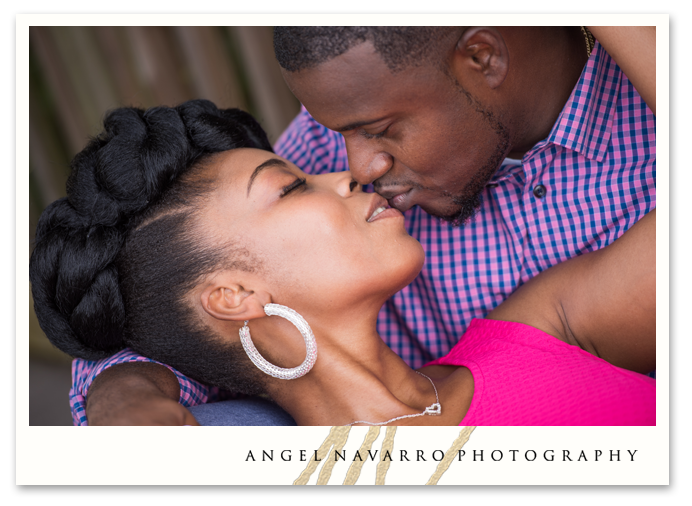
(356, 87)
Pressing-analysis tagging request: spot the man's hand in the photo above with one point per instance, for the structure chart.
(136, 393)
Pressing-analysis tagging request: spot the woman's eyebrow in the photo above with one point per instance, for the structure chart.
(272, 162)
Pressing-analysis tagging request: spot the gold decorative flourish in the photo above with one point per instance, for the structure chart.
(354, 470)
(336, 440)
(340, 438)
(444, 464)
(337, 437)
(387, 446)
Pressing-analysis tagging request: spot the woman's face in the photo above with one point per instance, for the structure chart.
(320, 241)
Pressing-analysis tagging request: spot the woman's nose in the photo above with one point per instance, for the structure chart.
(345, 184)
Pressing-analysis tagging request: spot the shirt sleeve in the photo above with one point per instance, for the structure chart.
(311, 146)
(84, 372)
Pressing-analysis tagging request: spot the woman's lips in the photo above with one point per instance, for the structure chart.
(379, 209)
(389, 212)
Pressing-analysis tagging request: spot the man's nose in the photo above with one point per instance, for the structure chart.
(367, 164)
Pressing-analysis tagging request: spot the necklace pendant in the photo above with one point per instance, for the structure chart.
(433, 409)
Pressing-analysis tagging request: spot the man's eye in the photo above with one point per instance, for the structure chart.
(378, 135)
(295, 184)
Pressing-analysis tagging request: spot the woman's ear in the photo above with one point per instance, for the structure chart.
(481, 51)
(226, 299)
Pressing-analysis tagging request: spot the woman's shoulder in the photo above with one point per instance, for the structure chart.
(528, 377)
(485, 336)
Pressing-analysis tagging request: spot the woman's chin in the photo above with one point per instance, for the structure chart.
(418, 257)
(412, 263)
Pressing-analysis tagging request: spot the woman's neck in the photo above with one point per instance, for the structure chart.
(358, 378)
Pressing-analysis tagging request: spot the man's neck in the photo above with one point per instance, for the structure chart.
(546, 76)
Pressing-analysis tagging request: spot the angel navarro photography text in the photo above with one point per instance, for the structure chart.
(469, 455)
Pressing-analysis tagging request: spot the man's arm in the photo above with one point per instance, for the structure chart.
(633, 48)
(136, 393)
(603, 301)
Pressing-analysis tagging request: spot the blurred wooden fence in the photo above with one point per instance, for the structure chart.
(79, 73)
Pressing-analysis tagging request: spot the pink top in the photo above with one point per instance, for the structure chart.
(523, 376)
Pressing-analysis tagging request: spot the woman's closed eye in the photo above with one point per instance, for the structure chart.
(298, 183)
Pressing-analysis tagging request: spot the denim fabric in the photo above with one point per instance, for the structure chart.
(252, 411)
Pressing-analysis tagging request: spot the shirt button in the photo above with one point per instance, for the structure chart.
(539, 191)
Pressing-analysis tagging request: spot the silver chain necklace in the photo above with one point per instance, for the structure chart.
(433, 409)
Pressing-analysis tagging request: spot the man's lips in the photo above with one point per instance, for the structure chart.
(399, 199)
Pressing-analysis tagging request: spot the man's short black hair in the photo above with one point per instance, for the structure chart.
(301, 47)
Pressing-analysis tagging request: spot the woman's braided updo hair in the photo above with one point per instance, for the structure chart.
(114, 259)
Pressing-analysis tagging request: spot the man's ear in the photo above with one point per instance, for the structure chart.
(224, 299)
(481, 51)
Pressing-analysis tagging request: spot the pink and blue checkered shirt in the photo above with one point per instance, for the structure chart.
(576, 191)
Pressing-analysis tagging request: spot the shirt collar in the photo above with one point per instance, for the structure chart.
(586, 121)
(509, 168)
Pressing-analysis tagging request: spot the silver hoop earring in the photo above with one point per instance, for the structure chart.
(271, 369)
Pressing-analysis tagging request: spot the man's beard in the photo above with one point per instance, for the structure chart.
(468, 202)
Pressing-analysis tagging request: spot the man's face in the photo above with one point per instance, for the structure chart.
(416, 135)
